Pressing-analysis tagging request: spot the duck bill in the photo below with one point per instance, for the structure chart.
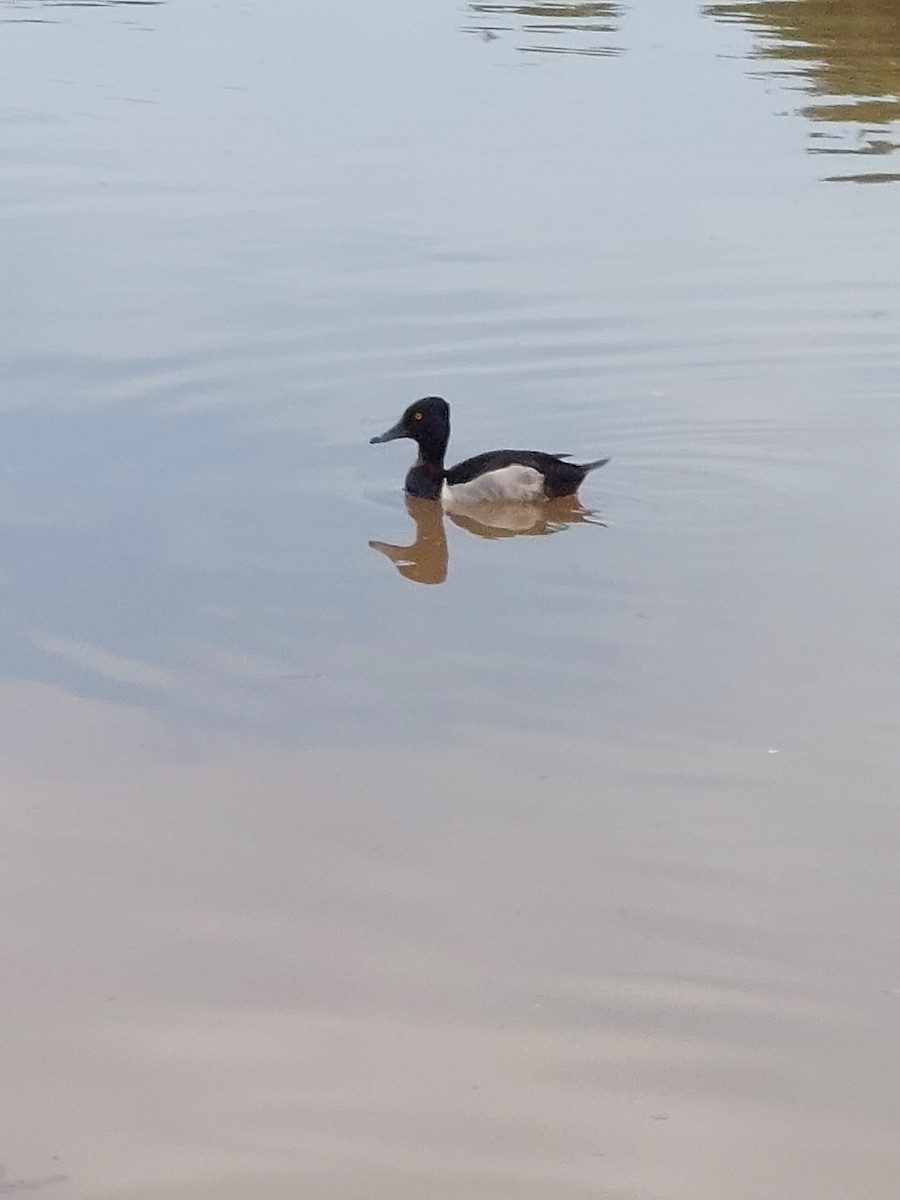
(390, 435)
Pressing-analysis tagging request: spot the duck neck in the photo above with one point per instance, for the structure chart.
(432, 441)
(425, 479)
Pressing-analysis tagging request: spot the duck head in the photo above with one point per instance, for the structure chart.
(427, 423)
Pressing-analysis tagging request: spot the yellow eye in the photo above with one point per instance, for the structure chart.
(418, 416)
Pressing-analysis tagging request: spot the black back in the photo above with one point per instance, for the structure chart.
(560, 478)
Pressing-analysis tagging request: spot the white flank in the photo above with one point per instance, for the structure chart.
(508, 485)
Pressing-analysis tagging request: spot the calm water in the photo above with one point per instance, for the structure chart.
(352, 852)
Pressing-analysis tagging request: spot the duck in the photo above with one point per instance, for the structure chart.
(496, 477)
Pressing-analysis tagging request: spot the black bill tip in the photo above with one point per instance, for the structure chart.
(389, 435)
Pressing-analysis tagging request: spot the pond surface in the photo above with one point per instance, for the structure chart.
(349, 851)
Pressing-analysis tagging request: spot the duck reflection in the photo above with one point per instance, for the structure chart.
(426, 560)
(847, 57)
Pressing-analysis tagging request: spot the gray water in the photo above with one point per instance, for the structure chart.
(464, 865)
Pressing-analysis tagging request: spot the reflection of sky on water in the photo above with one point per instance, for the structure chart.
(846, 57)
(212, 295)
(219, 576)
(550, 28)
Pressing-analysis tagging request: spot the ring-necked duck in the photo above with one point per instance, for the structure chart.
(508, 476)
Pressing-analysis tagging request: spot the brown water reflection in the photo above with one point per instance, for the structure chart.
(426, 559)
(846, 56)
(262, 970)
(551, 28)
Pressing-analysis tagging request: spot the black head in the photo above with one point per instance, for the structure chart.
(427, 422)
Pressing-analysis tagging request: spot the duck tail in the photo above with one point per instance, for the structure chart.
(592, 466)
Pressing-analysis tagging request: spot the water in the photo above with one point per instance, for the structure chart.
(465, 863)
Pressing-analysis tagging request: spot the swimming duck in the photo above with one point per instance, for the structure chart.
(499, 476)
